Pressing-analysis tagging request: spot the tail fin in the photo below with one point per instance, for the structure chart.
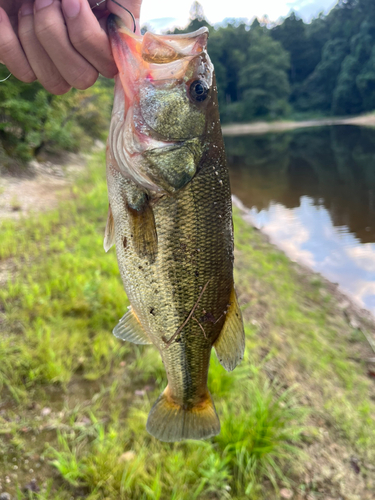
(170, 422)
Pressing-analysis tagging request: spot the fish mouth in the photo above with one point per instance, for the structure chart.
(115, 23)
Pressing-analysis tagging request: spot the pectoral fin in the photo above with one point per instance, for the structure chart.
(143, 231)
(141, 220)
(109, 234)
(130, 329)
(230, 344)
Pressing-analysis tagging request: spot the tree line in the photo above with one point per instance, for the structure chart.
(263, 72)
(325, 67)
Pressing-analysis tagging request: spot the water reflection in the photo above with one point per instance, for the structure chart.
(313, 192)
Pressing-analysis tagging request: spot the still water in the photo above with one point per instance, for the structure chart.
(313, 192)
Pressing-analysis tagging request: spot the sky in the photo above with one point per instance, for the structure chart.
(168, 13)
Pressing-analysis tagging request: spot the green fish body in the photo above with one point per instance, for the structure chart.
(170, 216)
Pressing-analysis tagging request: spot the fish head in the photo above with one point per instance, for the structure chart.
(163, 97)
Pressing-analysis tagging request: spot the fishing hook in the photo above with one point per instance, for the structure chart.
(128, 11)
(117, 3)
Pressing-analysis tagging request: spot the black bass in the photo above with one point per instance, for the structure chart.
(170, 216)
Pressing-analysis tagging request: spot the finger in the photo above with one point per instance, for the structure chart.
(87, 36)
(52, 34)
(11, 53)
(42, 65)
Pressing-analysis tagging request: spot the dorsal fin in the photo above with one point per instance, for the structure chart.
(129, 328)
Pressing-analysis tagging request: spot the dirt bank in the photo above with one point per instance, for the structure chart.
(39, 188)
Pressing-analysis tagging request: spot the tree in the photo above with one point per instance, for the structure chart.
(31, 119)
(317, 90)
(292, 36)
(263, 79)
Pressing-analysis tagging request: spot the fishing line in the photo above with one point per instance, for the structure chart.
(97, 4)
(7, 78)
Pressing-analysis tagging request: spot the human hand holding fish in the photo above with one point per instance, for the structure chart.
(63, 43)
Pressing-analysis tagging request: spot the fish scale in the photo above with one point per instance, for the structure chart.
(174, 244)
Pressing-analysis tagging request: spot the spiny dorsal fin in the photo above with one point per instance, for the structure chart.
(130, 329)
(109, 234)
(230, 344)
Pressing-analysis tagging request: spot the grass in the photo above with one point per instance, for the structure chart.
(74, 399)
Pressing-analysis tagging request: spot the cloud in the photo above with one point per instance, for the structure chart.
(364, 293)
(284, 228)
(218, 11)
(363, 256)
(306, 235)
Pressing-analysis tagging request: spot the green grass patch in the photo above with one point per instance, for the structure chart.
(74, 399)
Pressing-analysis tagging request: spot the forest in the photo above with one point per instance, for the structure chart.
(326, 67)
(264, 71)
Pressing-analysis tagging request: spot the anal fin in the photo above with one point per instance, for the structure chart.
(230, 344)
(130, 329)
(109, 234)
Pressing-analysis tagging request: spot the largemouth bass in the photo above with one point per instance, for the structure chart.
(170, 216)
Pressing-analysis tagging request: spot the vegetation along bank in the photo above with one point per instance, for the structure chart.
(264, 71)
(297, 414)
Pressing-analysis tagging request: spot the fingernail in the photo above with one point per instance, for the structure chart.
(27, 9)
(40, 4)
(71, 8)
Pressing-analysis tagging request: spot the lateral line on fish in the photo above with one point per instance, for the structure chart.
(169, 342)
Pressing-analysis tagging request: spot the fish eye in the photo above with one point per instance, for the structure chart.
(199, 90)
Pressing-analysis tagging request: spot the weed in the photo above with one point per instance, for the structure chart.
(57, 350)
(260, 433)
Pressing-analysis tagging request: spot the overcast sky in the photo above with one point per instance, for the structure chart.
(167, 13)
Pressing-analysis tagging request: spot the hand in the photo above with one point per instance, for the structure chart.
(63, 43)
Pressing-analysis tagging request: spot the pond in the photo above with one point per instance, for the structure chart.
(313, 192)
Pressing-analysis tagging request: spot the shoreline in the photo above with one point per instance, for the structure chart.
(258, 128)
(354, 310)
